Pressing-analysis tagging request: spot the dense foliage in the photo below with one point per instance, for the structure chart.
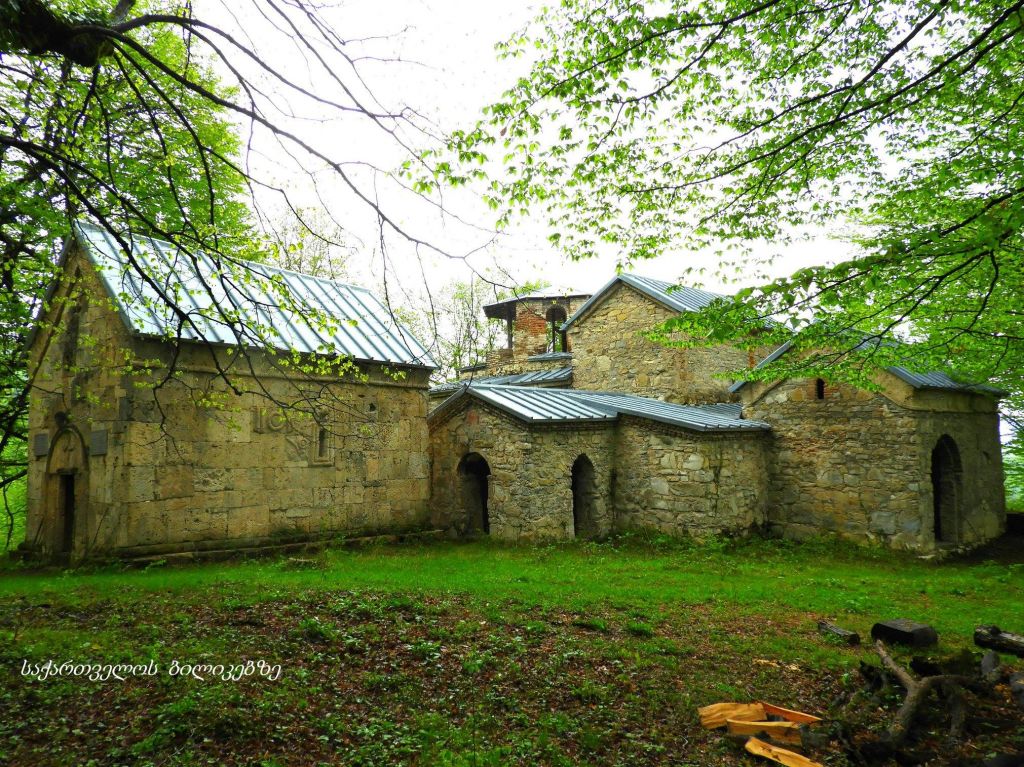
(121, 142)
(741, 125)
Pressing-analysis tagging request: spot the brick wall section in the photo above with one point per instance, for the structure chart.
(858, 463)
(530, 496)
(609, 354)
(178, 476)
(679, 482)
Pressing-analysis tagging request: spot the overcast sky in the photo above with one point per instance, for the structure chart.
(448, 72)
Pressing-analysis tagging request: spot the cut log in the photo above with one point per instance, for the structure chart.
(995, 639)
(905, 632)
(782, 732)
(789, 715)
(717, 714)
(831, 629)
(780, 755)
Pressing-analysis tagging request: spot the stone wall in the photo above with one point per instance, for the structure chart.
(858, 463)
(194, 465)
(647, 476)
(610, 354)
(530, 494)
(679, 482)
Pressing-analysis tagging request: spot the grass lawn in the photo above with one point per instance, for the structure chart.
(476, 654)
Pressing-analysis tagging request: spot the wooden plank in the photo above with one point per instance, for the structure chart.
(780, 755)
(789, 715)
(783, 732)
(717, 714)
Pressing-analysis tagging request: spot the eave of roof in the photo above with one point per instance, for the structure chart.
(678, 298)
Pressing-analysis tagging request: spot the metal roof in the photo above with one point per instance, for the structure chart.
(276, 307)
(677, 297)
(533, 378)
(554, 406)
(552, 294)
(933, 380)
(549, 356)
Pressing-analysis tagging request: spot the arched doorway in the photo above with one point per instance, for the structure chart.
(474, 476)
(584, 498)
(946, 490)
(66, 490)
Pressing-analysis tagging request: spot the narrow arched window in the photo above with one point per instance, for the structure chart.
(557, 341)
(819, 388)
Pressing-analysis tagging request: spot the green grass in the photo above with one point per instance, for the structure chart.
(459, 654)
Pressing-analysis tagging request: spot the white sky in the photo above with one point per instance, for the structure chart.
(456, 74)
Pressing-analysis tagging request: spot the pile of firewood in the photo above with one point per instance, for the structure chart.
(929, 692)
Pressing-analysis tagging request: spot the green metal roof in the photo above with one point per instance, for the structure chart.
(557, 406)
(276, 307)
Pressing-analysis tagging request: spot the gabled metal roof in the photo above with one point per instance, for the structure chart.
(933, 380)
(275, 301)
(533, 378)
(557, 406)
(677, 297)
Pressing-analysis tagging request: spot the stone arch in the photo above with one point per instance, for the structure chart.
(66, 490)
(584, 498)
(947, 490)
(474, 489)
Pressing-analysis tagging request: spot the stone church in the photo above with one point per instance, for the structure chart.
(579, 427)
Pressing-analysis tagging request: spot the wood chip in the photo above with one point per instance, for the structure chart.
(717, 714)
(783, 732)
(780, 755)
(788, 715)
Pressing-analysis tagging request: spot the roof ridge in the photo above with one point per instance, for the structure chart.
(246, 261)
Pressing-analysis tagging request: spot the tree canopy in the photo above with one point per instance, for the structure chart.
(738, 126)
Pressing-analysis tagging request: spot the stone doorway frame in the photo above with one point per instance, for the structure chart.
(67, 473)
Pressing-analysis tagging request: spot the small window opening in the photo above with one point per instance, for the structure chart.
(322, 442)
(819, 388)
(373, 408)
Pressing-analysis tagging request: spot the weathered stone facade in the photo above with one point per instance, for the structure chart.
(529, 488)
(619, 358)
(679, 482)
(858, 463)
(912, 465)
(118, 467)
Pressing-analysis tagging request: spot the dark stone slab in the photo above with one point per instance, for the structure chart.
(906, 632)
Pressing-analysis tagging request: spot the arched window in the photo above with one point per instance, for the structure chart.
(819, 388)
(557, 341)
